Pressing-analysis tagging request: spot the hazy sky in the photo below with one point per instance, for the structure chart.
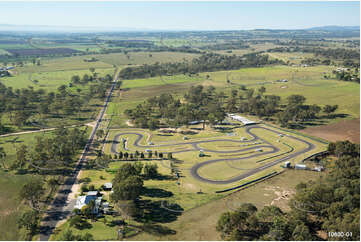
(182, 15)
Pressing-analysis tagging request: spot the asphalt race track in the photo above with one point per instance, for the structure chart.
(250, 172)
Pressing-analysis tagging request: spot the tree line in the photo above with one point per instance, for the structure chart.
(329, 204)
(204, 63)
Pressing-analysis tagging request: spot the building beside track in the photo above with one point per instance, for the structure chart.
(239, 118)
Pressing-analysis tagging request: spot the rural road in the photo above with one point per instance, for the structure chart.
(61, 207)
(194, 170)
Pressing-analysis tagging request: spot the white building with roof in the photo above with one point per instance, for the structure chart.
(85, 200)
(239, 118)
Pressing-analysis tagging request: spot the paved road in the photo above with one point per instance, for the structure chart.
(61, 208)
(195, 145)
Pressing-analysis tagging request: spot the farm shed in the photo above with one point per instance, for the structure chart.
(244, 120)
(300, 167)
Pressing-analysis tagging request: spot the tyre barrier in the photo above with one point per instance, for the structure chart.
(247, 183)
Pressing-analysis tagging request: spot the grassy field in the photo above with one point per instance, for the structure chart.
(308, 82)
(48, 80)
(10, 204)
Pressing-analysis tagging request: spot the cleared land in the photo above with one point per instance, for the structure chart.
(343, 130)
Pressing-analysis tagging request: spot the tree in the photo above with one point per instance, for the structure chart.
(30, 221)
(330, 108)
(2, 157)
(170, 156)
(150, 171)
(21, 157)
(120, 155)
(100, 133)
(76, 221)
(127, 209)
(32, 192)
(68, 235)
(295, 100)
(53, 183)
(127, 189)
(20, 117)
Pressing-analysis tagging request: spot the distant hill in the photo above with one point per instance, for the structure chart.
(335, 28)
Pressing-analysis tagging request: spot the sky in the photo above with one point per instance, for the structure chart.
(182, 15)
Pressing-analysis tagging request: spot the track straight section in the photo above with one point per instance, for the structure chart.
(195, 168)
(61, 208)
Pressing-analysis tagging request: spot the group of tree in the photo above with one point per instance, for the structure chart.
(138, 155)
(200, 105)
(50, 151)
(331, 203)
(21, 106)
(128, 185)
(209, 106)
(348, 75)
(204, 63)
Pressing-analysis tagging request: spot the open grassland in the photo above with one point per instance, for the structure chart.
(308, 81)
(294, 57)
(10, 204)
(11, 143)
(64, 64)
(49, 80)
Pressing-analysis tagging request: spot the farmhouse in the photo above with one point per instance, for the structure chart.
(244, 120)
(85, 200)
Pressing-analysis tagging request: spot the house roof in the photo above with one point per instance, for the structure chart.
(92, 193)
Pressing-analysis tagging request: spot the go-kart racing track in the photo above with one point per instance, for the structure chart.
(194, 170)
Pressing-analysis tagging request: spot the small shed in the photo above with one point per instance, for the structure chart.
(319, 168)
(300, 167)
(108, 186)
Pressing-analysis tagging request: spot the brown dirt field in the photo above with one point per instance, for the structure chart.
(343, 130)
